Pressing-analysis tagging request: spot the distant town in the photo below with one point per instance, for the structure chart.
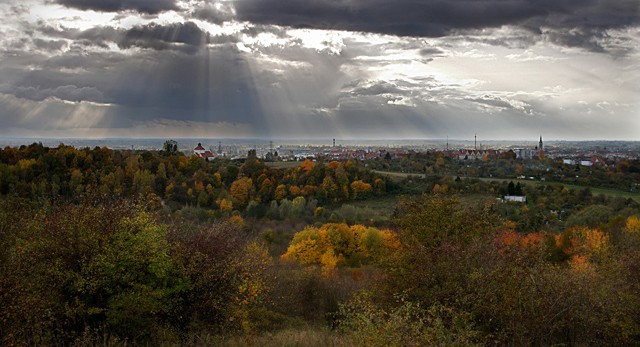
(586, 153)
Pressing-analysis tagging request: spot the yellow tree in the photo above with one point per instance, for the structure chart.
(241, 191)
(334, 244)
(295, 191)
(633, 225)
(360, 188)
(224, 205)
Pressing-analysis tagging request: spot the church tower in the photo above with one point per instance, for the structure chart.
(540, 149)
(540, 146)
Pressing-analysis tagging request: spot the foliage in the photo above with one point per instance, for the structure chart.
(436, 220)
(108, 268)
(38, 172)
(81, 263)
(521, 289)
(334, 244)
(406, 323)
(170, 147)
(74, 268)
(225, 269)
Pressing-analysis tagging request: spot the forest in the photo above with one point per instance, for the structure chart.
(111, 248)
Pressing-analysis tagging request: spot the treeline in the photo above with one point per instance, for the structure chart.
(64, 172)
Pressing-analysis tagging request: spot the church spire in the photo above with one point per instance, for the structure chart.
(540, 146)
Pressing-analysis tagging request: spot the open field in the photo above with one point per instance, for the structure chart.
(282, 164)
(594, 190)
(398, 176)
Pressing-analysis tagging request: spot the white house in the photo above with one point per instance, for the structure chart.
(515, 198)
(199, 150)
(586, 163)
(203, 153)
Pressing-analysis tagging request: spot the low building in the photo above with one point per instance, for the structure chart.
(515, 198)
(586, 163)
(199, 150)
(203, 153)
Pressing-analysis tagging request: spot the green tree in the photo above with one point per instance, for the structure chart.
(85, 268)
(170, 147)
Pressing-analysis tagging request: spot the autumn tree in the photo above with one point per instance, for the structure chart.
(241, 191)
(281, 192)
(334, 244)
(360, 189)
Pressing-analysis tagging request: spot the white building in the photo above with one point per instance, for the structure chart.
(203, 153)
(586, 163)
(515, 198)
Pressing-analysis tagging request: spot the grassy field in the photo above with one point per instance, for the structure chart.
(282, 164)
(398, 176)
(594, 190)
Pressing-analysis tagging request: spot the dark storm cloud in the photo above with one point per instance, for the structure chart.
(212, 84)
(431, 51)
(436, 18)
(588, 39)
(143, 6)
(401, 17)
(378, 88)
(213, 14)
(187, 35)
(50, 45)
(98, 36)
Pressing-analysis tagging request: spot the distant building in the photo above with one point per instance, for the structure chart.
(586, 163)
(199, 150)
(515, 198)
(203, 153)
(524, 153)
(540, 145)
(541, 148)
(472, 154)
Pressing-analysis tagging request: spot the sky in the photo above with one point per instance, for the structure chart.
(346, 69)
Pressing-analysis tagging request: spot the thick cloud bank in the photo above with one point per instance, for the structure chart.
(505, 69)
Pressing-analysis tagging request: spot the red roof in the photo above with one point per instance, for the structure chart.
(199, 148)
(206, 154)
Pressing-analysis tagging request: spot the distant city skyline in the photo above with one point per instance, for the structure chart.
(351, 69)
